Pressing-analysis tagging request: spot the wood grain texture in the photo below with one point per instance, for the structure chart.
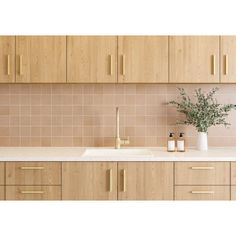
(43, 59)
(88, 181)
(48, 193)
(233, 193)
(219, 175)
(228, 53)
(233, 173)
(2, 193)
(218, 193)
(2, 173)
(146, 59)
(88, 59)
(50, 175)
(145, 181)
(7, 48)
(190, 59)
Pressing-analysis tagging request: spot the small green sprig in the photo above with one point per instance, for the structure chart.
(206, 112)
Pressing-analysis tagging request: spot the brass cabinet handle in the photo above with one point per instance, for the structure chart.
(225, 64)
(31, 192)
(111, 62)
(202, 167)
(32, 168)
(110, 180)
(202, 192)
(213, 64)
(8, 65)
(123, 176)
(123, 65)
(20, 65)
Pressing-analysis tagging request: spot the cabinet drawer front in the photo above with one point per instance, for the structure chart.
(33, 173)
(233, 192)
(233, 173)
(1, 173)
(202, 193)
(33, 192)
(202, 173)
(2, 190)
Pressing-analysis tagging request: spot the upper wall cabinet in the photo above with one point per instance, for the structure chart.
(7, 59)
(194, 59)
(41, 59)
(143, 59)
(92, 59)
(228, 59)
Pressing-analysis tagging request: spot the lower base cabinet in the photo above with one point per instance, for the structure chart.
(2, 192)
(33, 192)
(89, 181)
(233, 192)
(145, 181)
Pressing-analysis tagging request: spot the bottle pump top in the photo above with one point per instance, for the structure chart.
(181, 135)
(171, 135)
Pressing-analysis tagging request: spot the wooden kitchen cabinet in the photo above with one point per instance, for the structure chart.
(89, 181)
(41, 59)
(33, 173)
(7, 59)
(145, 181)
(194, 59)
(2, 173)
(202, 193)
(33, 192)
(202, 173)
(2, 193)
(92, 59)
(228, 59)
(142, 59)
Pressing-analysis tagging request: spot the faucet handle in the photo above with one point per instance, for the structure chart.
(126, 140)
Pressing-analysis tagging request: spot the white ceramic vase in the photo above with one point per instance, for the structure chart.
(202, 141)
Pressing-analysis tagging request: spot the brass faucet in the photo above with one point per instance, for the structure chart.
(119, 141)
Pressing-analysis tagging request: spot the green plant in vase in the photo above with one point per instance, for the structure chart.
(202, 112)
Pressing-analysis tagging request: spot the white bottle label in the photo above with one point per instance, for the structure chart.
(171, 145)
(180, 145)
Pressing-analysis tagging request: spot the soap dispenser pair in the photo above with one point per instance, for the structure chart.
(171, 143)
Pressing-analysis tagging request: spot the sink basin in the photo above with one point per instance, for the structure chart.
(126, 152)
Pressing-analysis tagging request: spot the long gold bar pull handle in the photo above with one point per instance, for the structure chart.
(202, 167)
(123, 65)
(110, 180)
(213, 64)
(202, 192)
(21, 64)
(8, 65)
(123, 175)
(225, 64)
(111, 66)
(31, 192)
(32, 168)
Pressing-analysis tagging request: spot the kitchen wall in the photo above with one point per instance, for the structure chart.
(84, 115)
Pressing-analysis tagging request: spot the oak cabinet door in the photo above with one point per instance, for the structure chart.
(228, 59)
(143, 59)
(91, 59)
(194, 59)
(2, 173)
(89, 181)
(41, 59)
(145, 181)
(7, 59)
(2, 193)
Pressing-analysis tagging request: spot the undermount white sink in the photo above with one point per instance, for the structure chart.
(126, 152)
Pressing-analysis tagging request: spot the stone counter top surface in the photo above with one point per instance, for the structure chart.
(76, 154)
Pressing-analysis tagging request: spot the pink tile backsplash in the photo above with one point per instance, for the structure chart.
(84, 114)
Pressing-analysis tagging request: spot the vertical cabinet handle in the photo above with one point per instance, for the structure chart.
(225, 64)
(110, 65)
(213, 64)
(110, 180)
(123, 65)
(20, 65)
(123, 177)
(8, 65)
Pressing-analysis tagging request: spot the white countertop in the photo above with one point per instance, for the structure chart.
(76, 154)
